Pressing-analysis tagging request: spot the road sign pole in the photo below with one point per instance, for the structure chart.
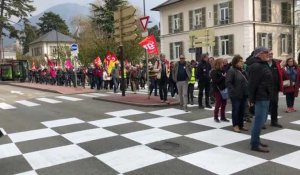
(123, 85)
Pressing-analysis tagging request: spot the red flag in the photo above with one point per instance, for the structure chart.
(97, 61)
(68, 64)
(107, 58)
(33, 66)
(149, 43)
(113, 57)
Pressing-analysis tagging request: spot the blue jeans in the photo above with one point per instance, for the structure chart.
(238, 111)
(116, 84)
(261, 113)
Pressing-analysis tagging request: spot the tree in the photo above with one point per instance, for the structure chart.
(19, 9)
(103, 15)
(51, 21)
(28, 35)
(155, 31)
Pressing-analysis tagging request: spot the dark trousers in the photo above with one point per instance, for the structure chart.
(172, 88)
(191, 93)
(220, 103)
(99, 83)
(203, 86)
(163, 91)
(273, 110)
(238, 111)
(290, 99)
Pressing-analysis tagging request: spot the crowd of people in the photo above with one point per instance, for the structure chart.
(252, 86)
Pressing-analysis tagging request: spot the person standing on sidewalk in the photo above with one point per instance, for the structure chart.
(192, 82)
(237, 84)
(162, 67)
(181, 75)
(277, 86)
(260, 91)
(291, 88)
(202, 74)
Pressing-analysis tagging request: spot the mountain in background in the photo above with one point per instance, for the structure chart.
(65, 11)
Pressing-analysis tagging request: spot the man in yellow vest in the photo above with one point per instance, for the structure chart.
(192, 82)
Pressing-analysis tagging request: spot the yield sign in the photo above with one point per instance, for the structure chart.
(144, 21)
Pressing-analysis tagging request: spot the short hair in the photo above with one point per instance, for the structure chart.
(236, 59)
(218, 64)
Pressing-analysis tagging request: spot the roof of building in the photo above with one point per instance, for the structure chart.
(54, 36)
(168, 2)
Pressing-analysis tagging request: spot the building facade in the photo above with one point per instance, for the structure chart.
(48, 44)
(235, 27)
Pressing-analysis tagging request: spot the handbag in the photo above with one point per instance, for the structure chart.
(224, 93)
(286, 83)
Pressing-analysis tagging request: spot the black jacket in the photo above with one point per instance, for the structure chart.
(260, 80)
(237, 83)
(202, 71)
(218, 80)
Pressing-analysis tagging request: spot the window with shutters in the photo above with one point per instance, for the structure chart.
(176, 23)
(286, 13)
(224, 45)
(285, 44)
(266, 11)
(264, 40)
(176, 49)
(37, 51)
(197, 19)
(53, 50)
(223, 13)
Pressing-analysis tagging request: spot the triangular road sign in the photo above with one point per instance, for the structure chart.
(144, 21)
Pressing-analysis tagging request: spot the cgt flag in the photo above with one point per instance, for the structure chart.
(149, 43)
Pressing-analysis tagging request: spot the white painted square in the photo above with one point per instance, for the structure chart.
(48, 100)
(168, 112)
(192, 106)
(27, 103)
(110, 122)
(55, 156)
(210, 109)
(99, 95)
(68, 98)
(211, 123)
(291, 160)
(88, 135)
(222, 161)
(133, 158)
(62, 122)
(296, 122)
(32, 135)
(88, 95)
(161, 122)
(6, 106)
(124, 113)
(28, 173)
(150, 135)
(287, 136)
(9, 150)
(219, 137)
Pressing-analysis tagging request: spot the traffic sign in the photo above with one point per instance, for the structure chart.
(74, 47)
(144, 21)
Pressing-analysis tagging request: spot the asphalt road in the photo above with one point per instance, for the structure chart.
(77, 135)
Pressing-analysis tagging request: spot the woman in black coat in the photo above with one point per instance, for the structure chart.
(237, 84)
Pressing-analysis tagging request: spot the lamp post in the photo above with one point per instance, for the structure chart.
(146, 56)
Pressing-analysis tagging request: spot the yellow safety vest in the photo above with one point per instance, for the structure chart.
(193, 79)
(125, 74)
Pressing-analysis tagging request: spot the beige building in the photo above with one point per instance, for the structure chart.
(233, 27)
(47, 44)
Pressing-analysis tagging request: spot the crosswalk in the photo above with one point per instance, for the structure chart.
(48, 100)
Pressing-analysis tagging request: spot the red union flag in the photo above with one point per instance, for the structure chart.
(149, 43)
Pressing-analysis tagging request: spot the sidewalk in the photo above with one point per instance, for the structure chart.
(52, 88)
(129, 98)
(138, 100)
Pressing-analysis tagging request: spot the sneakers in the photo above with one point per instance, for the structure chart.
(208, 106)
(288, 110)
(236, 129)
(244, 129)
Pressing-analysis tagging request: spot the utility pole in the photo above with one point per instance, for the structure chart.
(147, 59)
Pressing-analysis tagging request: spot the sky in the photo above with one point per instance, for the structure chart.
(42, 5)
